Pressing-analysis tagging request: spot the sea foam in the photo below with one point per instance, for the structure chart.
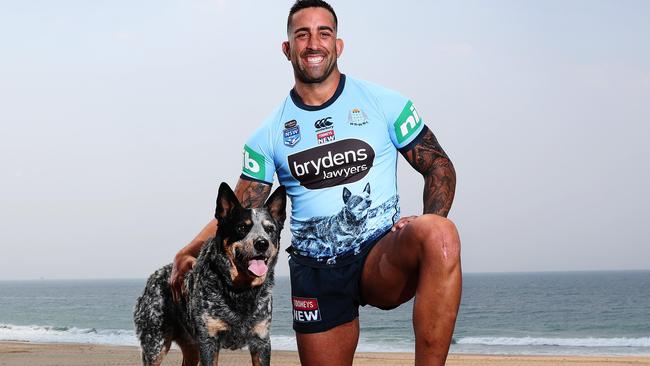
(566, 342)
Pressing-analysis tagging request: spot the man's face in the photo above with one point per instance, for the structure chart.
(312, 47)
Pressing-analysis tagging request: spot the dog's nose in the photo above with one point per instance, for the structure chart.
(261, 244)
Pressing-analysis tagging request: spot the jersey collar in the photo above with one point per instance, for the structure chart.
(298, 101)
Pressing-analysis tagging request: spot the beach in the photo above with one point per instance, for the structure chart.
(563, 318)
(53, 354)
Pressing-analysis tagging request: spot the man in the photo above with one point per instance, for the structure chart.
(333, 143)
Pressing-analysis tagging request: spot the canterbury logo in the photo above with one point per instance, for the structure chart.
(322, 123)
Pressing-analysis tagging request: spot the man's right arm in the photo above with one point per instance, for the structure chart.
(250, 194)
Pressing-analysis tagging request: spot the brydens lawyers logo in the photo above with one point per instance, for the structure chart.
(305, 309)
(340, 162)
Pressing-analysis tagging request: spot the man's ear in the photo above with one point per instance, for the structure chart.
(276, 205)
(286, 48)
(339, 47)
(226, 202)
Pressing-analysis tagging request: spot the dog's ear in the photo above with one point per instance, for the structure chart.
(226, 202)
(367, 189)
(277, 205)
(346, 195)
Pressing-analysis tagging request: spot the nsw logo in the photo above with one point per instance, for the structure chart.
(291, 133)
(305, 310)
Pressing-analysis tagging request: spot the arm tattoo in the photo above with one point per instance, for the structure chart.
(252, 194)
(428, 158)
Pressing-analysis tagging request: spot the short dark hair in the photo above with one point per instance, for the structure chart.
(303, 4)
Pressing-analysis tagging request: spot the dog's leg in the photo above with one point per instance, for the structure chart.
(209, 352)
(190, 353)
(260, 351)
(154, 352)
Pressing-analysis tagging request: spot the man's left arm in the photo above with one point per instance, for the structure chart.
(427, 157)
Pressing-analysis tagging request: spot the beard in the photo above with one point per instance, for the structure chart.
(302, 75)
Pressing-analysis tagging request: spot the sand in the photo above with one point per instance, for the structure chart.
(33, 354)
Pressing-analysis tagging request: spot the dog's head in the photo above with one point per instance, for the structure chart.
(357, 206)
(250, 236)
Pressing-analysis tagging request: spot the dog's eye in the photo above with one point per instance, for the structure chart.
(241, 228)
(269, 228)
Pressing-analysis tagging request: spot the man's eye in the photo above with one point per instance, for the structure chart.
(325, 35)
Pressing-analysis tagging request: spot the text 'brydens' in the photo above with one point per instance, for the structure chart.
(342, 162)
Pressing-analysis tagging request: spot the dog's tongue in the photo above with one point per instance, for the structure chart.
(258, 267)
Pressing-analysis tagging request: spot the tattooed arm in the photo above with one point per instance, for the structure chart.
(249, 194)
(428, 158)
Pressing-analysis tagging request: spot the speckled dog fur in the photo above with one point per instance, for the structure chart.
(227, 305)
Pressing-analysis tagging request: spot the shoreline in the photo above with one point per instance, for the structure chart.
(73, 354)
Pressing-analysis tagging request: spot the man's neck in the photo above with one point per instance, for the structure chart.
(318, 93)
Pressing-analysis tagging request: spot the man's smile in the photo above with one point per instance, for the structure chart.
(315, 59)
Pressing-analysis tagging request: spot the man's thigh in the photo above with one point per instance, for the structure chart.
(390, 272)
(332, 347)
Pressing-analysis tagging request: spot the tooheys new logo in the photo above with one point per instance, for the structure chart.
(341, 162)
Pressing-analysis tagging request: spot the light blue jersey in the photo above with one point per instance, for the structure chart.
(338, 162)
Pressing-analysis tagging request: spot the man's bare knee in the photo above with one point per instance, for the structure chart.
(438, 239)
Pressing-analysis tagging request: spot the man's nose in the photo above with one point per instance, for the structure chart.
(313, 43)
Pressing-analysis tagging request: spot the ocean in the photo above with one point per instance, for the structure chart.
(554, 313)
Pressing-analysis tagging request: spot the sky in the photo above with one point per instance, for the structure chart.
(119, 119)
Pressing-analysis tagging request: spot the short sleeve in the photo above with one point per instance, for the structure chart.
(403, 121)
(257, 160)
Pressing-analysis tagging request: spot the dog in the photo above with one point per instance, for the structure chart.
(229, 303)
(332, 235)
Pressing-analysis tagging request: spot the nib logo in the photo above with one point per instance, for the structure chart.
(407, 122)
(253, 163)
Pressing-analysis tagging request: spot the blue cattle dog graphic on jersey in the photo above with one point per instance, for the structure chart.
(328, 236)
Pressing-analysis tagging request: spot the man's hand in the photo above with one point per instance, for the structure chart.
(403, 221)
(182, 263)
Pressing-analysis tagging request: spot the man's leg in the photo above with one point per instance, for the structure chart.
(421, 259)
(333, 347)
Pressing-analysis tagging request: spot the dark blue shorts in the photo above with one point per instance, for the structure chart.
(325, 296)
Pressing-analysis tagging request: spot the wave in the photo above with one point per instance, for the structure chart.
(124, 337)
(561, 342)
(54, 334)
